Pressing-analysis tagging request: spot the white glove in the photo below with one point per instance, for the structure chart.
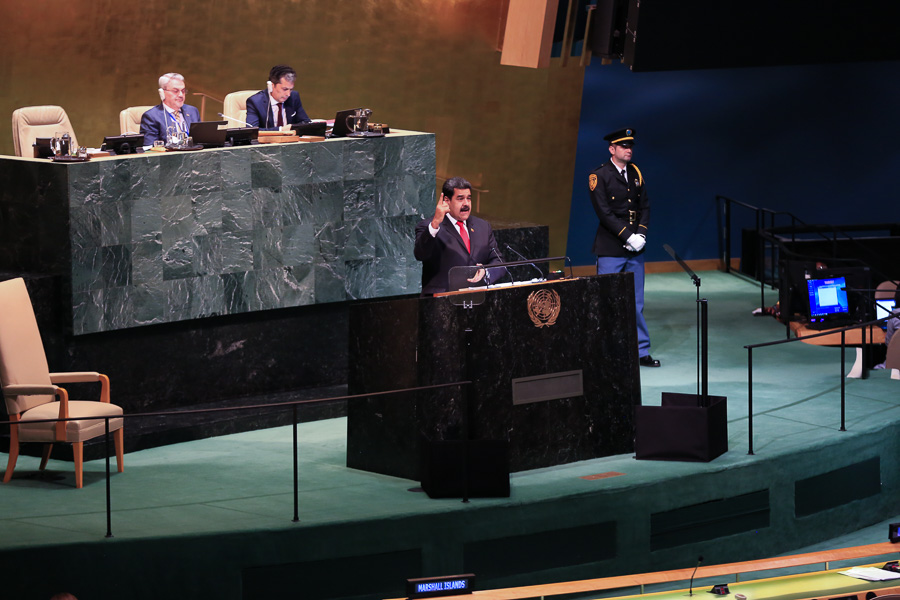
(636, 242)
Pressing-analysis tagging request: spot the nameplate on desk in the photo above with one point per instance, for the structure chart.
(432, 587)
(552, 386)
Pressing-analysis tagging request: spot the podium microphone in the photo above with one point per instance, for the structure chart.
(519, 254)
(487, 269)
(224, 116)
(691, 587)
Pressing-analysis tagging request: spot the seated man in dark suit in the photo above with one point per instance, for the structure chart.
(172, 111)
(277, 105)
(453, 238)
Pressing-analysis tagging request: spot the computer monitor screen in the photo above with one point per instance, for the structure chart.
(130, 143)
(242, 136)
(827, 299)
(340, 128)
(208, 134)
(883, 308)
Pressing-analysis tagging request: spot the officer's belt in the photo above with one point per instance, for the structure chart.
(632, 216)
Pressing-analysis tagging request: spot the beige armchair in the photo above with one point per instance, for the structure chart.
(235, 105)
(892, 361)
(885, 290)
(130, 119)
(32, 122)
(32, 392)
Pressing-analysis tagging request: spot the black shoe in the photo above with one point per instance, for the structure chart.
(648, 361)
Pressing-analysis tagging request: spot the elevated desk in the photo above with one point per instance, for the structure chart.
(525, 378)
(163, 237)
(822, 585)
(219, 277)
(808, 585)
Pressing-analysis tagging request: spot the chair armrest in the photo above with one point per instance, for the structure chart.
(24, 389)
(84, 377)
(54, 390)
(75, 377)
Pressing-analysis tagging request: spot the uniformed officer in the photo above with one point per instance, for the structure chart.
(620, 199)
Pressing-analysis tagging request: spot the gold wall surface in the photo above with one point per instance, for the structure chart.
(425, 65)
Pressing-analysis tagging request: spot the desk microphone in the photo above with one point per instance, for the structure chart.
(224, 116)
(691, 587)
(519, 254)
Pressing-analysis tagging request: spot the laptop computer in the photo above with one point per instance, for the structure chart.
(884, 308)
(130, 143)
(42, 148)
(241, 136)
(340, 128)
(208, 134)
(315, 128)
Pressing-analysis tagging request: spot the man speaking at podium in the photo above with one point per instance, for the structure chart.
(453, 238)
(277, 105)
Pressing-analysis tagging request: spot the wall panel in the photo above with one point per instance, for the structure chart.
(427, 66)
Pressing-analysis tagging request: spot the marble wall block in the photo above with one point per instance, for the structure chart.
(162, 238)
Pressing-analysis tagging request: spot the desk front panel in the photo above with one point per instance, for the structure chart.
(853, 337)
(819, 585)
(157, 238)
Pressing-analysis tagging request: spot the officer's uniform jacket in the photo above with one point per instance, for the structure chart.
(623, 208)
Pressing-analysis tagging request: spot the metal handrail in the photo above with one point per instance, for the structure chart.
(842, 331)
(292, 405)
(761, 217)
(773, 245)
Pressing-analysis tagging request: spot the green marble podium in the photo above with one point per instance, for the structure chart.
(157, 238)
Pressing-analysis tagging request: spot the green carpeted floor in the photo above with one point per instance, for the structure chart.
(243, 483)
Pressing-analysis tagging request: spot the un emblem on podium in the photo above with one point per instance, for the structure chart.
(543, 307)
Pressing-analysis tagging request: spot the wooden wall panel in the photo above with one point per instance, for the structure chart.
(529, 33)
(428, 66)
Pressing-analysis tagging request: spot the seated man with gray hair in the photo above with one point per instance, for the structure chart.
(172, 111)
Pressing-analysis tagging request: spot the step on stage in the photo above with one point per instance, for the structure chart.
(213, 517)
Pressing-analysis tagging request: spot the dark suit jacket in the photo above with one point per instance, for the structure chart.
(447, 250)
(153, 122)
(612, 199)
(258, 111)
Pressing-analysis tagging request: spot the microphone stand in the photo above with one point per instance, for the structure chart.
(224, 116)
(691, 587)
(521, 257)
(702, 332)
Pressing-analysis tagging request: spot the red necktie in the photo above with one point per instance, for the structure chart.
(280, 117)
(464, 234)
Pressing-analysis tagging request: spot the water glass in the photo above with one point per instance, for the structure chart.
(173, 135)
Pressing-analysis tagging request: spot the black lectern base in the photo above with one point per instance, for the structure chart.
(488, 469)
(682, 430)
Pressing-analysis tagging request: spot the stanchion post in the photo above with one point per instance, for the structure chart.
(704, 351)
(108, 485)
(296, 470)
(843, 378)
(750, 398)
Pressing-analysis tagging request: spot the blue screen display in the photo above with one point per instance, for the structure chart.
(826, 297)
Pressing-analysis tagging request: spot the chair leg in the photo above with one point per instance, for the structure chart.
(13, 452)
(45, 455)
(120, 448)
(78, 453)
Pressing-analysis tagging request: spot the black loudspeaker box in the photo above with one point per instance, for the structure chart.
(442, 468)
